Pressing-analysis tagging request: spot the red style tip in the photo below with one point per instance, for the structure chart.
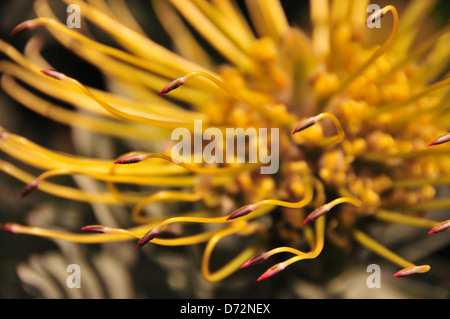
(317, 213)
(412, 270)
(54, 74)
(8, 227)
(21, 27)
(440, 227)
(304, 125)
(440, 140)
(148, 237)
(3, 133)
(272, 271)
(254, 260)
(376, 16)
(172, 86)
(244, 210)
(29, 188)
(133, 159)
(96, 228)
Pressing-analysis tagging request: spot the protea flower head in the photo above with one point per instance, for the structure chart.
(354, 114)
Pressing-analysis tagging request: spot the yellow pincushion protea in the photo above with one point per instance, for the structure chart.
(362, 126)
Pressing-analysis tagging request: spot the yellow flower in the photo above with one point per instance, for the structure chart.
(360, 126)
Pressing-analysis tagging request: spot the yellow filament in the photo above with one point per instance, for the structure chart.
(340, 131)
(257, 19)
(58, 190)
(415, 182)
(160, 196)
(389, 108)
(274, 17)
(414, 54)
(22, 148)
(207, 220)
(32, 51)
(102, 6)
(284, 249)
(392, 217)
(379, 249)
(412, 22)
(232, 31)
(111, 230)
(134, 41)
(186, 240)
(341, 200)
(121, 10)
(181, 241)
(120, 114)
(436, 111)
(329, 141)
(430, 205)
(184, 41)
(382, 157)
(268, 17)
(111, 179)
(320, 192)
(214, 36)
(383, 49)
(262, 109)
(195, 168)
(234, 15)
(74, 119)
(197, 195)
(99, 54)
(102, 173)
(302, 203)
(315, 250)
(318, 247)
(115, 235)
(235, 263)
(73, 237)
(321, 32)
(96, 54)
(139, 180)
(431, 68)
(358, 10)
(192, 219)
(340, 10)
(69, 33)
(73, 95)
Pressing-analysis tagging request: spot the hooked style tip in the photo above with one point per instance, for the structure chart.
(29, 188)
(254, 260)
(440, 140)
(317, 213)
(133, 159)
(271, 271)
(440, 227)
(96, 228)
(54, 74)
(244, 210)
(147, 237)
(377, 15)
(172, 86)
(10, 227)
(412, 270)
(21, 27)
(304, 125)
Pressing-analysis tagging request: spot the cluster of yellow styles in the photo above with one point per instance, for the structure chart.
(362, 126)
